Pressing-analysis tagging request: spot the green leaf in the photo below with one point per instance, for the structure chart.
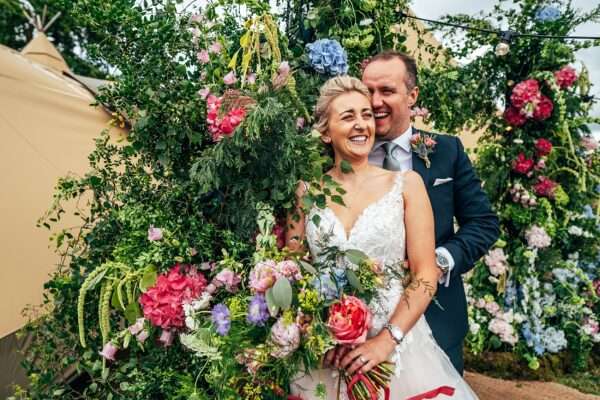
(338, 199)
(114, 301)
(353, 279)
(273, 309)
(356, 256)
(148, 279)
(282, 293)
(132, 312)
(127, 339)
(309, 268)
(346, 167)
(316, 219)
(321, 200)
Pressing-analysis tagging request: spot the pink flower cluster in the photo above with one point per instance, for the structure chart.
(163, 303)
(285, 338)
(265, 274)
(527, 101)
(221, 127)
(422, 112)
(501, 323)
(496, 260)
(537, 237)
(565, 77)
(227, 278)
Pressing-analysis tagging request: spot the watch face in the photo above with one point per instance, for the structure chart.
(442, 261)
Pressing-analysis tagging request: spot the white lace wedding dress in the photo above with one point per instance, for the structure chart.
(423, 371)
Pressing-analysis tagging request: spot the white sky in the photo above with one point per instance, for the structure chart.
(434, 9)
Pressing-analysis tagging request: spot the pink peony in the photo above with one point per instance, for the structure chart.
(496, 260)
(227, 278)
(525, 92)
(544, 108)
(154, 234)
(203, 57)
(263, 276)
(543, 147)
(163, 303)
(522, 165)
(285, 338)
(513, 116)
(349, 320)
(537, 237)
(289, 269)
(565, 77)
(545, 187)
(108, 351)
(230, 78)
(215, 48)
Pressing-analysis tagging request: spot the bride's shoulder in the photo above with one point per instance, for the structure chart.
(411, 180)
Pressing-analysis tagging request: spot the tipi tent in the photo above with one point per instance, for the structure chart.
(47, 128)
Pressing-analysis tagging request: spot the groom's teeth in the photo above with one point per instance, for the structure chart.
(381, 114)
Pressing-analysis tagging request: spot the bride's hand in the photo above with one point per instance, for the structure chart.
(333, 356)
(369, 354)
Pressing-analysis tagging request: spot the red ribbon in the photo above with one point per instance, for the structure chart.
(447, 390)
(372, 390)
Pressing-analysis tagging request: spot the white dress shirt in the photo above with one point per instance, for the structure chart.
(403, 153)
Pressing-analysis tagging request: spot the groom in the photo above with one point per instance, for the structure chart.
(453, 188)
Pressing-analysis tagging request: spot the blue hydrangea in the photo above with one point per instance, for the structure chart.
(588, 212)
(328, 57)
(510, 295)
(532, 339)
(547, 14)
(329, 285)
(554, 340)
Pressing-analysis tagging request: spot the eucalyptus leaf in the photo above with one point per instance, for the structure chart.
(308, 267)
(346, 167)
(273, 308)
(356, 256)
(353, 279)
(282, 293)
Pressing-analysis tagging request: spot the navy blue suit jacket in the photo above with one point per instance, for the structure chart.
(478, 229)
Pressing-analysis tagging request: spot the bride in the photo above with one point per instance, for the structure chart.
(387, 215)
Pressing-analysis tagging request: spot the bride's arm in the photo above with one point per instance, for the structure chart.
(420, 245)
(294, 233)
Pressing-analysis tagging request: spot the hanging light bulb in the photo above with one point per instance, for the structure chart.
(503, 47)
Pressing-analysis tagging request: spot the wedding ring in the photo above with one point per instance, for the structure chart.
(363, 360)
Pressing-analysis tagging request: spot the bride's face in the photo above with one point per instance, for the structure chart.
(351, 126)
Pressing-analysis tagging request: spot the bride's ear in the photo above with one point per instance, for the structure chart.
(325, 139)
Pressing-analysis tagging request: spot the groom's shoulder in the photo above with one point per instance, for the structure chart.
(444, 140)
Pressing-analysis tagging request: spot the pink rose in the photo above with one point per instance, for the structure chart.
(108, 351)
(349, 320)
(154, 234)
(203, 57)
(230, 78)
(263, 276)
(227, 278)
(215, 48)
(565, 77)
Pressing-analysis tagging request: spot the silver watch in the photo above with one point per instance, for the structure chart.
(442, 262)
(396, 332)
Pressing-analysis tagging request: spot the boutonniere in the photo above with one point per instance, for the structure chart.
(423, 144)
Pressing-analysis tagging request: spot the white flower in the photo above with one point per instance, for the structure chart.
(366, 22)
(575, 230)
(474, 328)
(203, 302)
(187, 309)
(537, 237)
(190, 322)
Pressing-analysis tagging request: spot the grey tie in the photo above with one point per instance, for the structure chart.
(389, 161)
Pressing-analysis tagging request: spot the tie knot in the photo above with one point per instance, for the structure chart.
(389, 147)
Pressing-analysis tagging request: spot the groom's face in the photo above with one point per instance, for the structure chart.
(392, 100)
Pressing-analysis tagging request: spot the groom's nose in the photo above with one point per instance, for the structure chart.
(376, 100)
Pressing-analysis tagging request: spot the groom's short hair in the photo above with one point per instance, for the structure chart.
(409, 62)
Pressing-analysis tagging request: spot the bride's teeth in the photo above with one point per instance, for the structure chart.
(358, 139)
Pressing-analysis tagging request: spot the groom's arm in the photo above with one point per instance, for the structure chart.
(479, 225)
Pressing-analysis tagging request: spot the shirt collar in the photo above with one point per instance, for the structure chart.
(403, 140)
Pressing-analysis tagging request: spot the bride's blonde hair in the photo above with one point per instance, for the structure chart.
(331, 90)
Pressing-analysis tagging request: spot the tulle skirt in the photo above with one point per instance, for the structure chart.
(424, 371)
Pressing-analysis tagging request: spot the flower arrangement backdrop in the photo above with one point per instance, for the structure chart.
(176, 285)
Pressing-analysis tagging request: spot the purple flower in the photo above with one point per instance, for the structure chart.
(258, 312)
(154, 234)
(108, 351)
(220, 318)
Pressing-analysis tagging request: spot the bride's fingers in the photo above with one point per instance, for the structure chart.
(348, 358)
(355, 366)
(368, 366)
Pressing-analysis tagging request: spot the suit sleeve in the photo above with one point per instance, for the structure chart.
(478, 224)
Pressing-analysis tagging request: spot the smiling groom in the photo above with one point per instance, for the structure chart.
(452, 185)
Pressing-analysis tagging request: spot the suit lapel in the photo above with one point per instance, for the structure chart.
(419, 165)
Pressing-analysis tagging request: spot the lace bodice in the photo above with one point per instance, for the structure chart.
(378, 232)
